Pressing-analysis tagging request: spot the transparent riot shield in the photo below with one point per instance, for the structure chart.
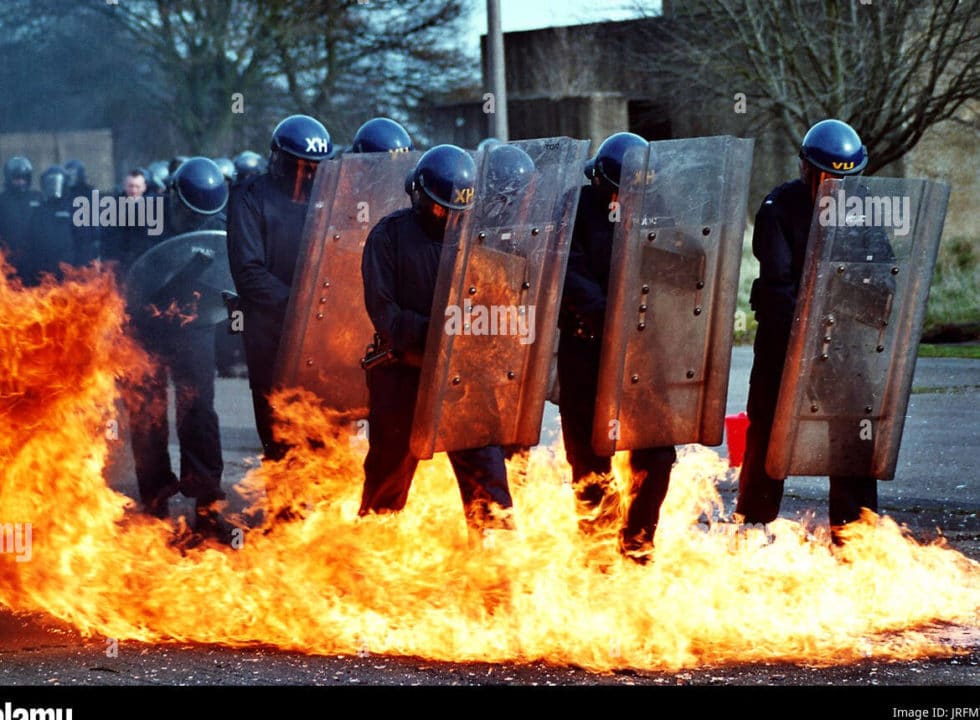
(493, 328)
(859, 314)
(673, 285)
(327, 327)
(182, 279)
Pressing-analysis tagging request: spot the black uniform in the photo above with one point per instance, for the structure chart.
(186, 354)
(399, 267)
(581, 323)
(264, 231)
(16, 210)
(782, 229)
(124, 244)
(87, 239)
(49, 242)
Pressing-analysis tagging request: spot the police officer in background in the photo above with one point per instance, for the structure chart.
(185, 352)
(265, 225)
(87, 239)
(17, 204)
(782, 230)
(581, 321)
(50, 238)
(399, 268)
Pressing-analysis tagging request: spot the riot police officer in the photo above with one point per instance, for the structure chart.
(830, 148)
(50, 238)
(87, 239)
(185, 352)
(265, 224)
(581, 322)
(399, 268)
(17, 203)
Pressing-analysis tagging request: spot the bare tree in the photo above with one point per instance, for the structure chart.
(891, 69)
(339, 60)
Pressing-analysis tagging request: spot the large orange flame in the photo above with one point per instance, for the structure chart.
(310, 575)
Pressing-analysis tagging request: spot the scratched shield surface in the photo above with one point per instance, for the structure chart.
(493, 329)
(859, 314)
(327, 327)
(673, 286)
(185, 275)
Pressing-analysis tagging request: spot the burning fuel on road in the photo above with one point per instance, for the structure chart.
(310, 575)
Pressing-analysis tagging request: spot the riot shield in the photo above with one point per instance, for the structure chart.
(327, 327)
(182, 279)
(859, 313)
(493, 328)
(673, 285)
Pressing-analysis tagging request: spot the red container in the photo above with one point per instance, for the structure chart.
(735, 428)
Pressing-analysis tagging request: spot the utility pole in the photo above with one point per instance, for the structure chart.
(497, 72)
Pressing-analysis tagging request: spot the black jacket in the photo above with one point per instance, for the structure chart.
(583, 303)
(264, 233)
(399, 268)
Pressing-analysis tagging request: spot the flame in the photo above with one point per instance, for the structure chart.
(176, 311)
(310, 575)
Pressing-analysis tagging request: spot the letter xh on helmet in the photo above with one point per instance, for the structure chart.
(447, 175)
(444, 179)
(299, 144)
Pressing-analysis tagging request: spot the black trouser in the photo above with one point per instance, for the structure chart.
(187, 356)
(578, 370)
(760, 495)
(390, 466)
(263, 330)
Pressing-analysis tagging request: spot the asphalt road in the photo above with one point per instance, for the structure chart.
(936, 489)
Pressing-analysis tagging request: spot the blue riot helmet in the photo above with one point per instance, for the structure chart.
(447, 175)
(299, 144)
(381, 134)
(834, 147)
(54, 182)
(247, 164)
(444, 180)
(831, 148)
(509, 172)
(199, 189)
(488, 143)
(607, 165)
(227, 168)
(17, 174)
(75, 173)
(510, 169)
(200, 185)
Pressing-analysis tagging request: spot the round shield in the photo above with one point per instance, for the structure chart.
(182, 280)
